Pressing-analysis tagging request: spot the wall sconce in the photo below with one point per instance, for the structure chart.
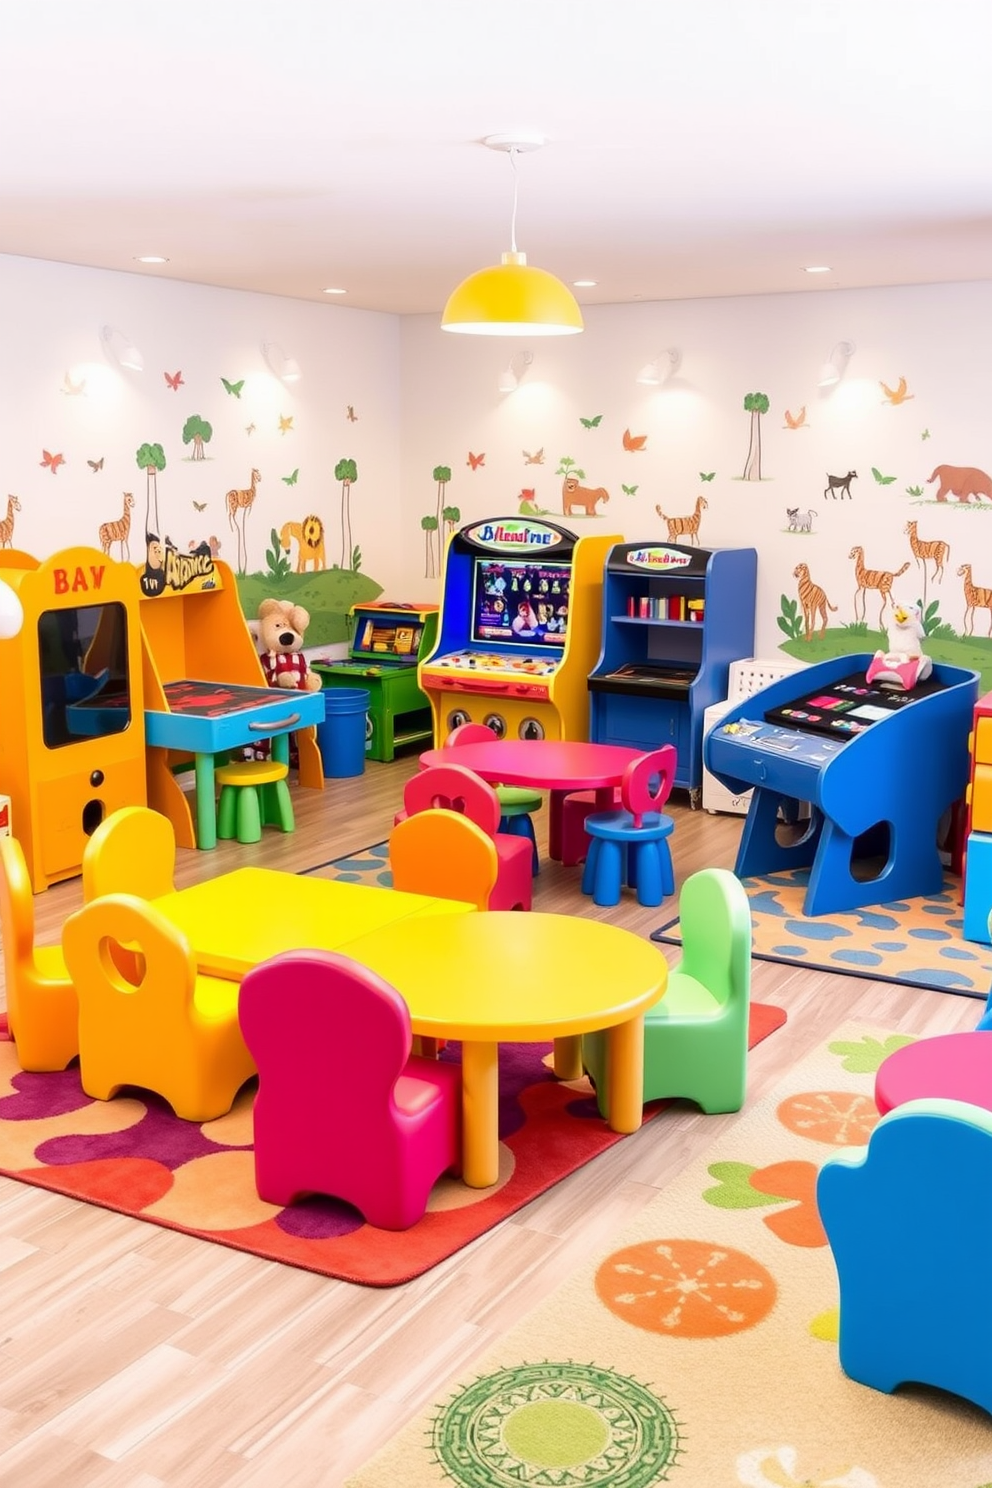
(120, 349)
(664, 366)
(835, 366)
(11, 613)
(516, 370)
(286, 368)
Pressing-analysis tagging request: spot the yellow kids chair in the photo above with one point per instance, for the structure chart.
(444, 854)
(132, 852)
(169, 1030)
(42, 1011)
(695, 1038)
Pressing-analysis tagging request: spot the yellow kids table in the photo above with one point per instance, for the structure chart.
(479, 977)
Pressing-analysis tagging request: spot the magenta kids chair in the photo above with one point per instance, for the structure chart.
(343, 1108)
(453, 788)
(516, 802)
(633, 843)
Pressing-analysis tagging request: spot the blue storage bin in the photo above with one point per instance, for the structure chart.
(341, 736)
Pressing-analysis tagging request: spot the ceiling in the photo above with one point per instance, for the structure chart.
(695, 147)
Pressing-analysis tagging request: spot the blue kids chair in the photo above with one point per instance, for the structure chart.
(632, 843)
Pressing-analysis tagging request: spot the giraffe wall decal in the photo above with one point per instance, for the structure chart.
(119, 531)
(242, 501)
(7, 525)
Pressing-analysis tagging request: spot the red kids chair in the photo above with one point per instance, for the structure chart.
(638, 833)
(343, 1108)
(453, 788)
(516, 802)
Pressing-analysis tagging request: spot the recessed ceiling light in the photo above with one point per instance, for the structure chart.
(818, 269)
(584, 283)
(334, 291)
(150, 258)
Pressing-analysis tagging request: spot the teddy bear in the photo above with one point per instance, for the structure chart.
(279, 632)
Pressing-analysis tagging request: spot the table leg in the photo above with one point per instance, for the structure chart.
(480, 1114)
(625, 1074)
(568, 1057)
(555, 798)
(280, 749)
(206, 806)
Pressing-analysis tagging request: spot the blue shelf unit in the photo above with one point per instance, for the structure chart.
(878, 772)
(659, 668)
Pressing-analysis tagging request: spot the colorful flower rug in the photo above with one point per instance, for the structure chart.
(917, 941)
(699, 1348)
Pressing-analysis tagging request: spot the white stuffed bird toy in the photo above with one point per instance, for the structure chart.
(904, 664)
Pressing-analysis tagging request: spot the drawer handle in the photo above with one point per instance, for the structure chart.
(275, 723)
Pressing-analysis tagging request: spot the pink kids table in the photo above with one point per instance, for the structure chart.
(951, 1066)
(560, 766)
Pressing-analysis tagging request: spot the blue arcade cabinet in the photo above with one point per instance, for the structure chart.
(878, 765)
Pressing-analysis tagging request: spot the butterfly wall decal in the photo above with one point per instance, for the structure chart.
(537, 458)
(351, 415)
(591, 423)
(249, 429)
(95, 465)
(629, 490)
(634, 441)
(234, 388)
(883, 480)
(175, 380)
(73, 389)
(925, 434)
(897, 394)
(796, 420)
(51, 462)
(290, 480)
(474, 461)
(704, 477)
(285, 423)
(199, 506)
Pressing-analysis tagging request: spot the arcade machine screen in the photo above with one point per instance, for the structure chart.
(377, 636)
(82, 655)
(520, 604)
(847, 707)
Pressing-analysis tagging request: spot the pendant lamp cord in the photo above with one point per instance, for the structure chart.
(513, 219)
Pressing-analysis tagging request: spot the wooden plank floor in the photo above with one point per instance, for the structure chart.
(132, 1357)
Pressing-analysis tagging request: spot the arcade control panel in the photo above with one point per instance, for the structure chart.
(493, 661)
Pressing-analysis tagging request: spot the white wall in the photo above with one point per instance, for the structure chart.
(934, 336)
(52, 315)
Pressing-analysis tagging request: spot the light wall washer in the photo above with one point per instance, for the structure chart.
(516, 370)
(150, 258)
(120, 349)
(664, 366)
(584, 283)
(835, 366)
(286, 368)
(512, 298)
(333, 291)
(817, 269)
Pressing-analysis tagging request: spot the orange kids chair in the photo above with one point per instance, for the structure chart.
(444, 854)
(376, 1128)
(42, 1010)
(453, 788)
(133, 851)
(171, 1030)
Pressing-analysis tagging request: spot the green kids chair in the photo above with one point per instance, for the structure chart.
(695, 1038)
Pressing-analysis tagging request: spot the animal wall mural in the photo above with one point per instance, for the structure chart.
(209, 489)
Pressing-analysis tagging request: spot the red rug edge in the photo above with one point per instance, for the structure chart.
(764, 1020)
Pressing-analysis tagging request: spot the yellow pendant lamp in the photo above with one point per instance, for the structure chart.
(512, 298)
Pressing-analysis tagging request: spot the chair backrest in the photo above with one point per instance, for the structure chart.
(16, 911)
(715, 922)
(470, 733)
(443, 853)
(119, 946)
(647, 782)
(453, 788)
(132, 852)
(297, 1008)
